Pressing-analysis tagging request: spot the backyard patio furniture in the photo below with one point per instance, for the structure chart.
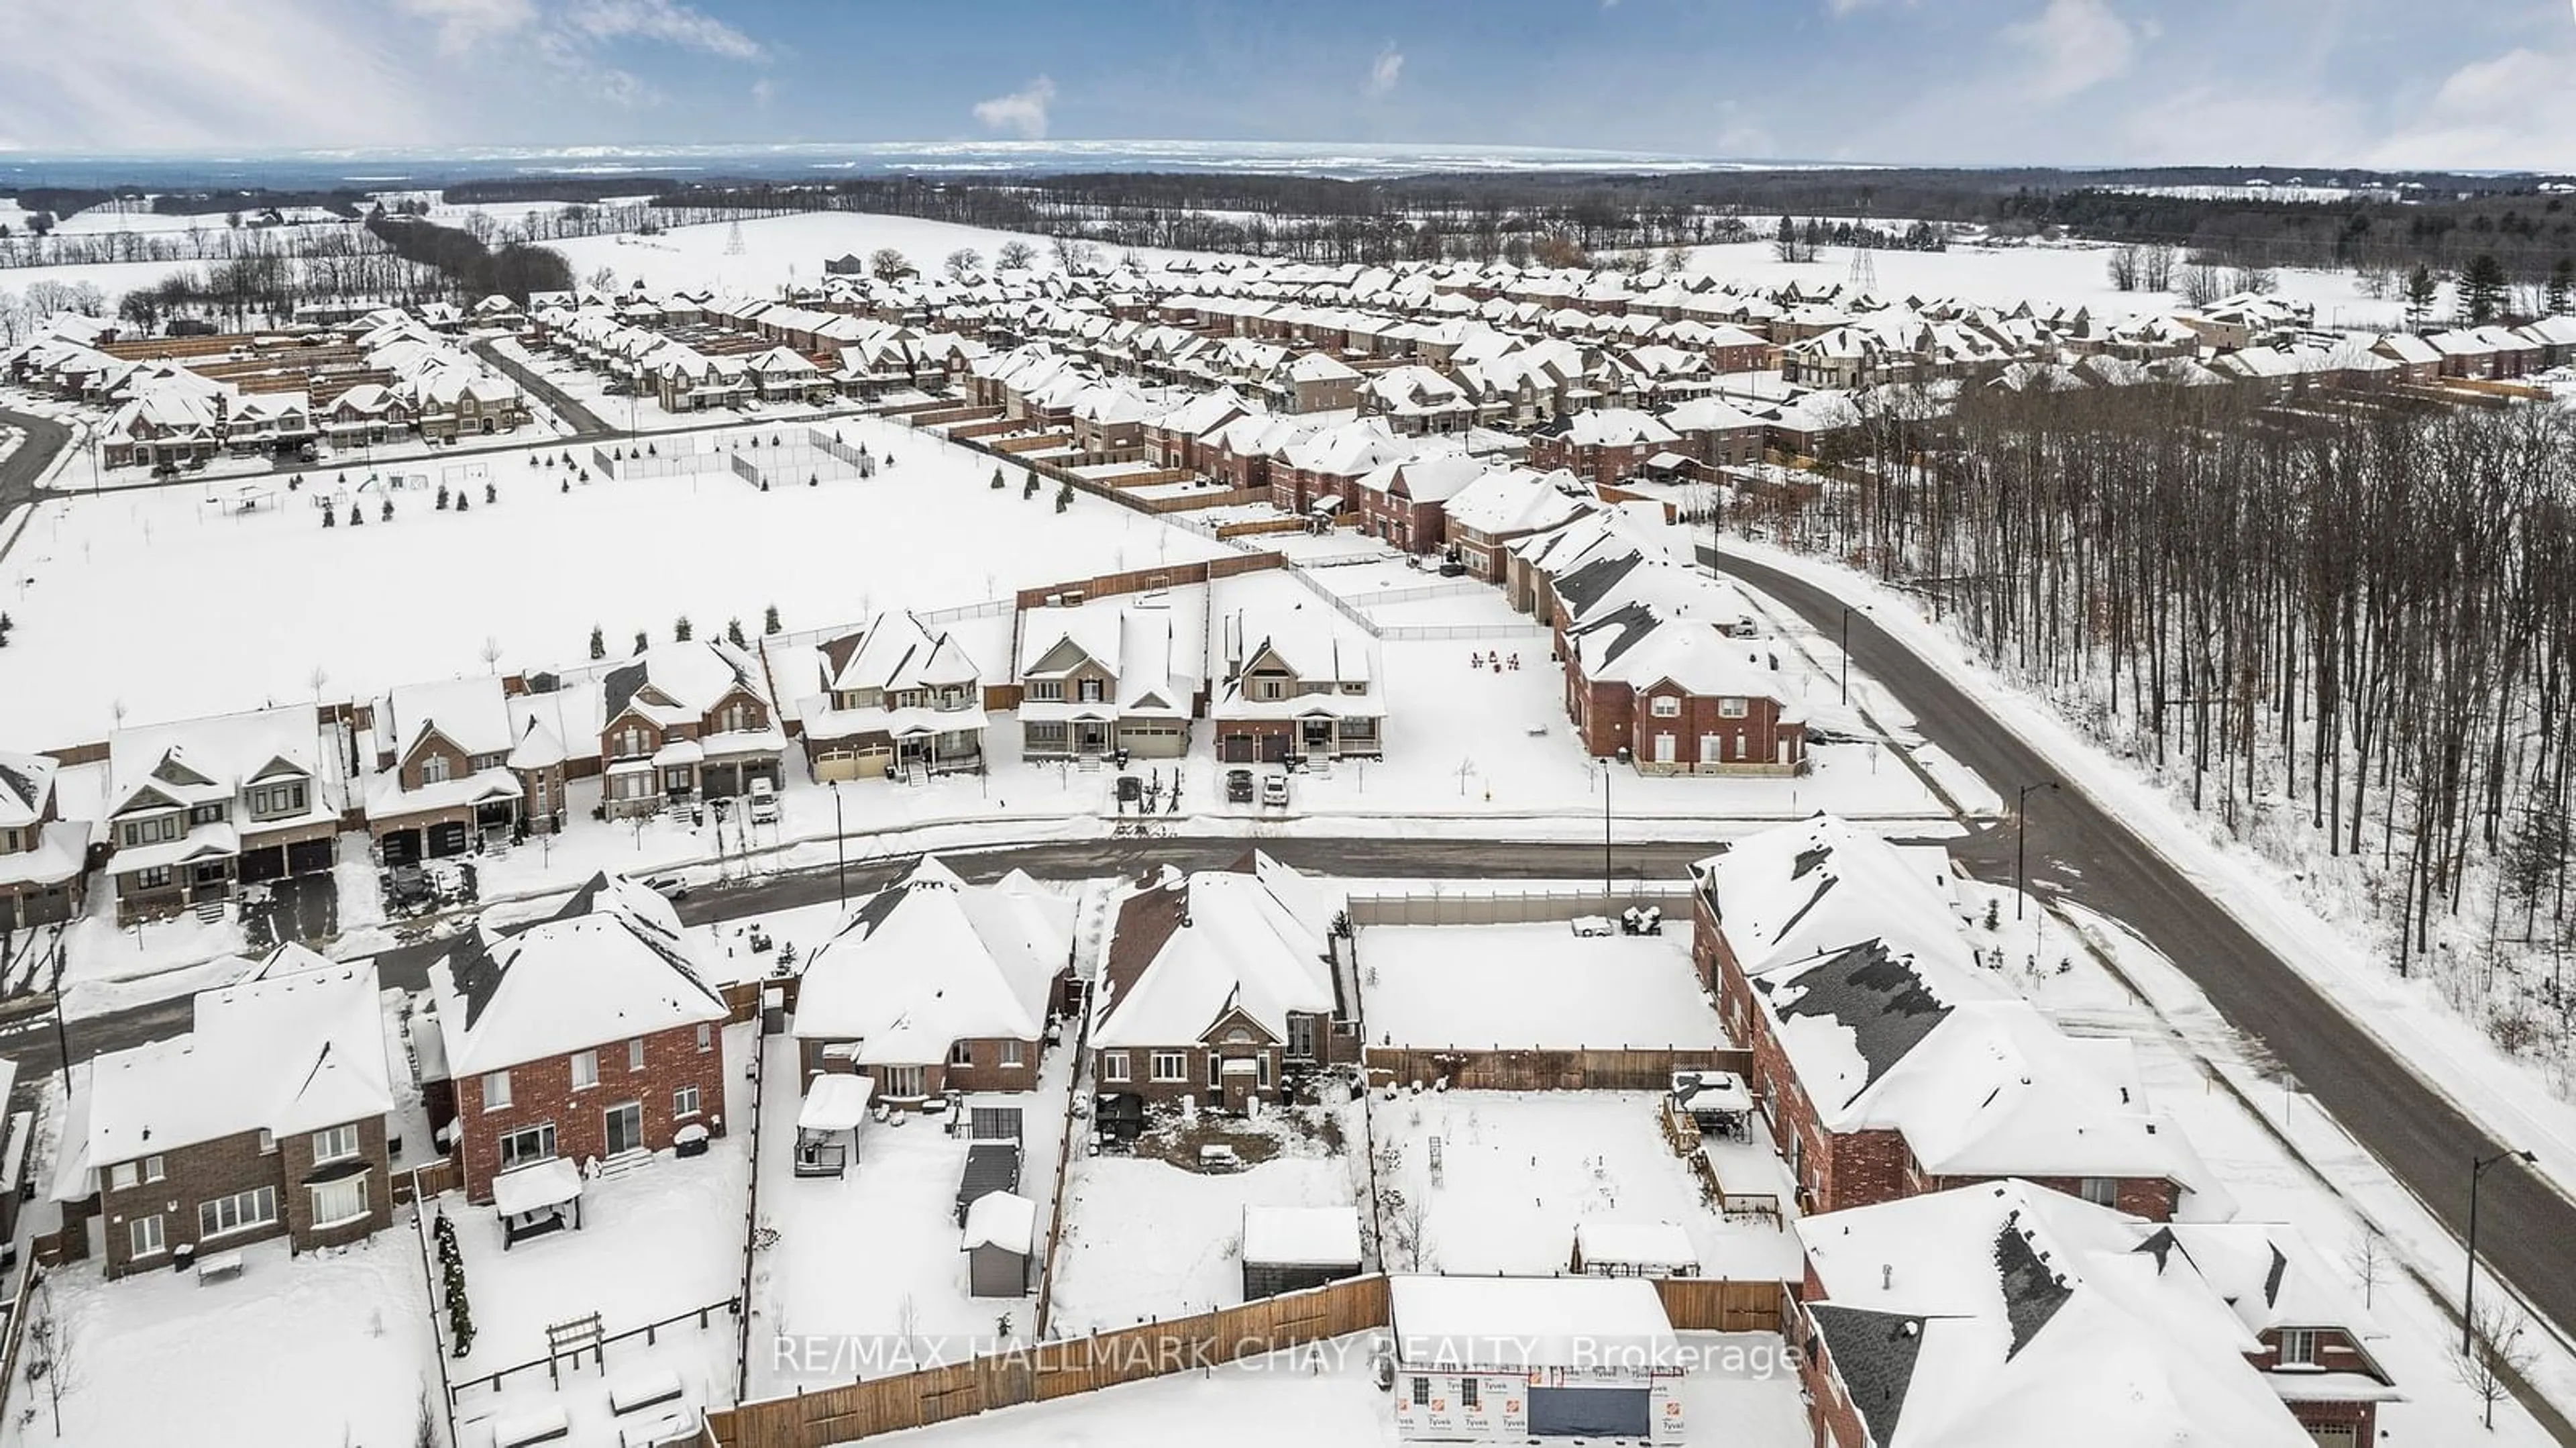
(536, 1199)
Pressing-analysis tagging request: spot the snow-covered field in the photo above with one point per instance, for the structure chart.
(336, 1343)
(1532, 986)
(171, 606)
(1520, 1169)
(780, 250)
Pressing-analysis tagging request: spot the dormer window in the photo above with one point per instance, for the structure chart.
(434, 769)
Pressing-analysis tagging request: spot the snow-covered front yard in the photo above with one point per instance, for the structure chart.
(1519, 1170)
(1533, 987)
(336, 1343)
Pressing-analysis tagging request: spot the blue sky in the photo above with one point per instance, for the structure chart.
(2474, 83)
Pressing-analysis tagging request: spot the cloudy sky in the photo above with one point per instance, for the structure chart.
(2389, 83)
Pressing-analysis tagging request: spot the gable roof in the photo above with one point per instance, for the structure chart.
(26, 783)
(932, 961)
(1250, 940)
(608, 965)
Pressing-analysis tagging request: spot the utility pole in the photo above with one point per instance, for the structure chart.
(2021, 839)
(2469, 1291)
(840, 851)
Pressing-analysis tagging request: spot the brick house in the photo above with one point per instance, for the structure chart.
(894, 697)
(1318, 470)
(1503, 506)
(1172, 438)
(454, 769)
(1313, 382)
(1405, 501)
(43, 857)
(1885, 1060)
(200, 807)
(686, 722)
(1679, 696)
(1602, 444)
(588, 1035)
(2007, 1315)
(936, 985)
(1715, 432)
(1099, 679)
(266, 1119)
(1219, 987)
(1297, 683)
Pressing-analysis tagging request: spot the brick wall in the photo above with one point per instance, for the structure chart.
(192, 1175)
(542, 1092)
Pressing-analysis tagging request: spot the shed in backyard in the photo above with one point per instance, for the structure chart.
(1289, 1249)
(1001, 1236)
(1633, 1249)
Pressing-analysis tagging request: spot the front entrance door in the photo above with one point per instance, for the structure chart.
(625, 1127)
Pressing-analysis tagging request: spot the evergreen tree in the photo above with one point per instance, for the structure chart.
(2560, 295)
(2421, 292)
(769, 620)
(598, 642)
(641, 643)
(389, 510)
(2482, 284)
(1064, 496)
(997, 478)
(680, 629)
(491, 492)
(1029, 489)
(733, 634)
(441, 505)
(329, 516)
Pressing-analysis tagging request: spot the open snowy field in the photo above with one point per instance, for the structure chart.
(1532, 986)
(1520, 1169)
(2066, 273)
(204, 610)
(336, 1342)
(783, 250)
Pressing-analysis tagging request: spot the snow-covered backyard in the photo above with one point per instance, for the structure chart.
(1519, 1170)
(1532, 987)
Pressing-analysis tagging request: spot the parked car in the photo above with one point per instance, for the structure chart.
(1274, 791)
(1589, 925)
(669, 887)
(764, 802)
(1238, 786)
(1452, 568)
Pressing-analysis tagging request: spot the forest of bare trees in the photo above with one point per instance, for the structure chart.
(2349, 621)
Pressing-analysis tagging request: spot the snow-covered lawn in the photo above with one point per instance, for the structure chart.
(873, 1258)
(655, 1242)
(780, 250)
(336, 1343)
(1532, 986)
(1519, 1169)
(203, 610)
(1147, 1240)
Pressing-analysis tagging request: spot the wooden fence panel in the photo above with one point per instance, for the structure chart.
(1698, 1304)
(1505, 1069)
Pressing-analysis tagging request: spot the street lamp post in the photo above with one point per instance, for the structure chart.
(2021, 838)
(2469, 1291)
(1846, 685)
(840, 851)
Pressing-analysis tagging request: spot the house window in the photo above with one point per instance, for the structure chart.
(1047, 691)
(1113, 1066)
(155, 878)
(1732, 707)
(433, 770)
(2298, 1347)
(1010, 1053)
(121, 1177)
(496, 1091)
(338, 1143)
(2101, 1191)
(153, 1169)
(1666, 707)
(527, 1145)
(635, 1053)
(212, 814)
(1262, 1070)
(1267, 687)
(706, 1037)
(1171, 1066)
(1711, 748)
(1422, 1392)
(152, 831)
(585, 1069)
(901, 1082)
(630, 741)
(961, 1053)
(684, 1101)
(336, 1203)
(143, 1236)
(1301, 1038)
(236, 1213)
(267, 1141)
(1090, 691)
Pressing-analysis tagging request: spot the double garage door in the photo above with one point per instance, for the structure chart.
(306, 857)
(839, 764)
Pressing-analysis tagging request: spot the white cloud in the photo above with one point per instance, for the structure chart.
(1022, 113)
(763, 91)
(2075, 45)
(667, 21)
(464, 24)
(1386, 72)
(2509, 111)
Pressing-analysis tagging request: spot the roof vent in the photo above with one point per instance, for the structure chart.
(1886, 1276)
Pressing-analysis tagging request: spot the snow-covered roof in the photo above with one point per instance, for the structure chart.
(1220, 942)
(1302, 1236)
(1001, 1219)
(199, 761)
(609, 965)
(835, 1101)
(1634, 1244)
(932, 961)
(553, 1182)
(468, 713)
(296, 1045)
(26, 784)
(1509, 500)
(1996, 1315)
(1518, 1324)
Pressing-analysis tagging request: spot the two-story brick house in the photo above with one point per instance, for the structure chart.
(43, 857)
(1296, 683)
(1679, 695)
(1602, 444)
(1219, 987)
(588, 1035)
(936, 985)
(1887, 1062)
(1311, 383)
(895, 697)
(1101, 678)
(197, 808)
(455, 765)
(686, 722)
(266, 1119)
(1503, 506)
(2014, 1317)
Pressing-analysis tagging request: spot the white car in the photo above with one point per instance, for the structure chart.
(1595, 925)
(1274, 791)
(764, 802)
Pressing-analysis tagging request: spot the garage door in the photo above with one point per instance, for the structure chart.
(312, 857)
(267, 864)
(446, 838)
(2340, 1435)
(1590, 1412)
(1235, 749)
(401, 847)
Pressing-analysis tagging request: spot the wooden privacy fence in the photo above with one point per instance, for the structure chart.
(1501, 1069)
(1511, 906)
(1715, 1304)
(1055, 1369)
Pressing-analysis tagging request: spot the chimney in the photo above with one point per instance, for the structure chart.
(1886, 1276)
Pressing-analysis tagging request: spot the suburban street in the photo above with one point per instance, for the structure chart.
(19, 471)
(2525, 1225)
(576, 415)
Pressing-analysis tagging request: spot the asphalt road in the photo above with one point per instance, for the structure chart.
(2526, 1229)
(18, 472)
(583, 421)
